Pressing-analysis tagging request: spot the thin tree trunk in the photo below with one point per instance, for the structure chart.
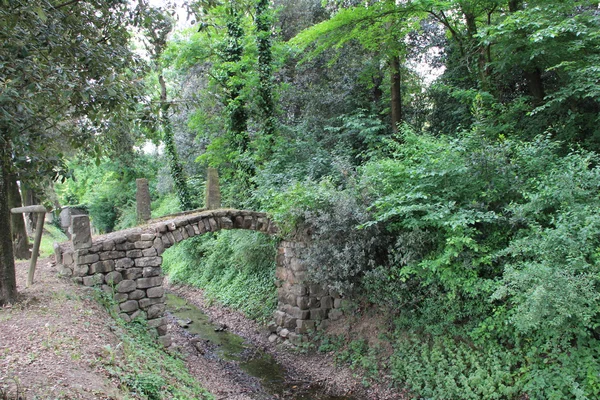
(17, 222)
(8, 282)
(29, 199)
(396, 91)
(183, 192)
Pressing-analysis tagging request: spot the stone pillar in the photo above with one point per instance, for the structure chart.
(142, 198)
(213, 192)
(81, 235)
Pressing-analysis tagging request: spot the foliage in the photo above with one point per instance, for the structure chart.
(234, 267)
(107, 189)
(51, 235)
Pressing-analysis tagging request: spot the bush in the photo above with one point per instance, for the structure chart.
(485, 250)
(237, 268)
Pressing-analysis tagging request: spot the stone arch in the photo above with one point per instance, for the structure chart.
(129, 262)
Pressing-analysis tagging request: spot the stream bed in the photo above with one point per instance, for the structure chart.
(250, 359)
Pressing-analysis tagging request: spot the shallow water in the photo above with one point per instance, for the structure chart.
(252, 360)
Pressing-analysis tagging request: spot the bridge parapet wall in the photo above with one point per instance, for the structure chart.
(128, 265)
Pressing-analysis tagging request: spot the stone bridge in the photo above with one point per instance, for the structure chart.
(128, 263)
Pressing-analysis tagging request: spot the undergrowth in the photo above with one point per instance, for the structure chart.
(236, 268)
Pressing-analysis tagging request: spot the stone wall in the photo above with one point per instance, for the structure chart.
(128, 264)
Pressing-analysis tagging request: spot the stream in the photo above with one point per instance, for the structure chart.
(251, 359)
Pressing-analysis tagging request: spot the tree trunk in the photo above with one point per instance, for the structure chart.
(29, 199)
(8, 282)
(535, 85)
(17, 222)
(396, 91)
(183, 192)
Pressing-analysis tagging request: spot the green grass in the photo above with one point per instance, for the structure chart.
(51, 235)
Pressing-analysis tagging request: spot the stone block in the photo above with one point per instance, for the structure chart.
(132, 273)
(213, 224)
(238, 222)
(67, 258)
(111, 255)
(149, 252)
(262, 224)
(125, 317)
(135, 253)
(155, 323)
(78, 280)
(201, 228)
(148, 261)
(279, 317)
(334, 293)
(124, 263)
(166, 242)
(81, 235)
(164, 340)
(295, 339)
(126, 286)
(144, 283)
(161, 228)
(157, 291)
(129, 306)
(124, 246)
(147, 272)
(113, 278)
(298, 290)
(196, 229)
(120, 297)
(86, 259)
(305, 326)
(102, 267)
(81, 269)
(284, 333)
(297, 265)
(171, 225)
(142, 244)
(226, 223)
(134, 237)
(190, 231)
(136, 295)
(120, 239)
(158, 246)
(147, 236)
(317, 314)
(289, 322)
(108, 245)
(281, 273)
(302, 302)
(93, 280)
(145, 303)
(178, 236)
(184, 232)
(162, 330)
(155, 311)
(326, 302)
(65, 271)
(57, 253)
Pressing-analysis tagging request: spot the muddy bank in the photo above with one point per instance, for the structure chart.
(227, 381)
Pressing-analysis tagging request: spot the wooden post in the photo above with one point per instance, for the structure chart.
(38, 236)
